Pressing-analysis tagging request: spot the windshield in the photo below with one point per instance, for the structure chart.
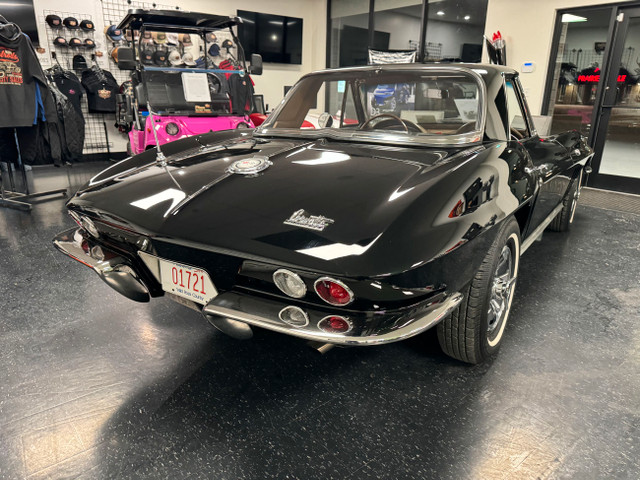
(167, 94)
(186, 73)
(425, 105)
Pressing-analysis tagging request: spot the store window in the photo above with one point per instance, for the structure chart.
(397, 27)
(579, 61)
(454, 29)
(349, 38)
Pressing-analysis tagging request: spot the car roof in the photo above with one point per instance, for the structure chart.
(137, 17)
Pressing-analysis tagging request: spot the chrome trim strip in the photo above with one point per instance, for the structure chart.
(538, 231)
(410, 329)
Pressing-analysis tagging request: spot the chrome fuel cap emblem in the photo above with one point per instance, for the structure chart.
(250, 166)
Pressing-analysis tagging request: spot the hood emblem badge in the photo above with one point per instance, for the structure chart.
(250, 166)
(300, 218)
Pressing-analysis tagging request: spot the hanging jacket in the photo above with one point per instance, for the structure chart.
(70, 86)
(70, 127)
(241, 94)
(24, 95)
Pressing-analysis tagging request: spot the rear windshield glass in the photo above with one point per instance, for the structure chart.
(414, 104)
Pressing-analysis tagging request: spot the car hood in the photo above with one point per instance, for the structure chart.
(319, 201)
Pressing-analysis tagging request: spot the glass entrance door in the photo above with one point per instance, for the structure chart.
(618, 137)
(594, 87)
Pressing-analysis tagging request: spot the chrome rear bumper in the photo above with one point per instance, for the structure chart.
(112, 268)
(373, 329)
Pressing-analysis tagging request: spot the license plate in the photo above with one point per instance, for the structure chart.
(187, 281)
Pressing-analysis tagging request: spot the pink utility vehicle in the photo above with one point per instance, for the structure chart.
(189, 77)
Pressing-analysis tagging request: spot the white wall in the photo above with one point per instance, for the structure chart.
(274, 77)
(314, 38)
(528, 31)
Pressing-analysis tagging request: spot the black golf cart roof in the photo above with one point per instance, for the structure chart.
(135, 18)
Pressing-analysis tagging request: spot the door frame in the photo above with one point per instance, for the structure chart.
(601, 114)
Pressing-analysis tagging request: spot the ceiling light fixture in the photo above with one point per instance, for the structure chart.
(569, 18)
(467, 17)
(440, 12)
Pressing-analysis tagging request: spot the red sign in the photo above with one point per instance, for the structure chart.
(596, 78)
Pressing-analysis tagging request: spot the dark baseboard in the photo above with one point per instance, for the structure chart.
(615, 183)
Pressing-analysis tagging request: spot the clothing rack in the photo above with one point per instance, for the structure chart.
(14, 199)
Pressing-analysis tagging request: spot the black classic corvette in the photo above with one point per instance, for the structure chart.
(367, 229)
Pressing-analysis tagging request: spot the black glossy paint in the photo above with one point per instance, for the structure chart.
(393, 208)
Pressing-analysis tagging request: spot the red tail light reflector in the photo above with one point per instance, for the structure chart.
(335, 324)
(332, 291)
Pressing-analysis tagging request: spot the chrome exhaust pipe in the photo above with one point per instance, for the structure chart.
(321, 347)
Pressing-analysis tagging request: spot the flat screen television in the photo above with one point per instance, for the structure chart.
(278, 39)
(21, 12)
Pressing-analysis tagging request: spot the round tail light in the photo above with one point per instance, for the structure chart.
(335, 324)
(172, 128)
(333, 291)
(289, 283)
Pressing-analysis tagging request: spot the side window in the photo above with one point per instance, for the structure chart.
(516, 117)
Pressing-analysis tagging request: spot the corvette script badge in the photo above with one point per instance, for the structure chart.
(300, 218)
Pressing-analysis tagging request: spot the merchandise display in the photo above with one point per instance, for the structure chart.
(24, 96)
(182, 104)
(101, 89)
(87, 25)
(54, 21)
(71, 23)
(69, 84)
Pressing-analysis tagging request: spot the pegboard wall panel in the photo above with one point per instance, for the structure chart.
(112, 12)
(96, 137)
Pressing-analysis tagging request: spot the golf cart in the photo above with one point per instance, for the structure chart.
(189, 76)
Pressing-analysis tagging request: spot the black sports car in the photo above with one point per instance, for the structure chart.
(366, 230)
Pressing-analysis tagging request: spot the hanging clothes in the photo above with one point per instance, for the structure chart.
(24, 96)
(68, 83)
(70, 127)
(101, 88)
(241, 94)
(26, 103)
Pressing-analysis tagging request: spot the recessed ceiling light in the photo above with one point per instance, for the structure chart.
(440, 12)
(467, 17)
(569, 18)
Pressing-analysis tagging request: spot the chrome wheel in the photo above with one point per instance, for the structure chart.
(502, 287)
(574, 200)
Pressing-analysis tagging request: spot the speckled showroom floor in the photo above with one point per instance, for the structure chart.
(96, 386)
